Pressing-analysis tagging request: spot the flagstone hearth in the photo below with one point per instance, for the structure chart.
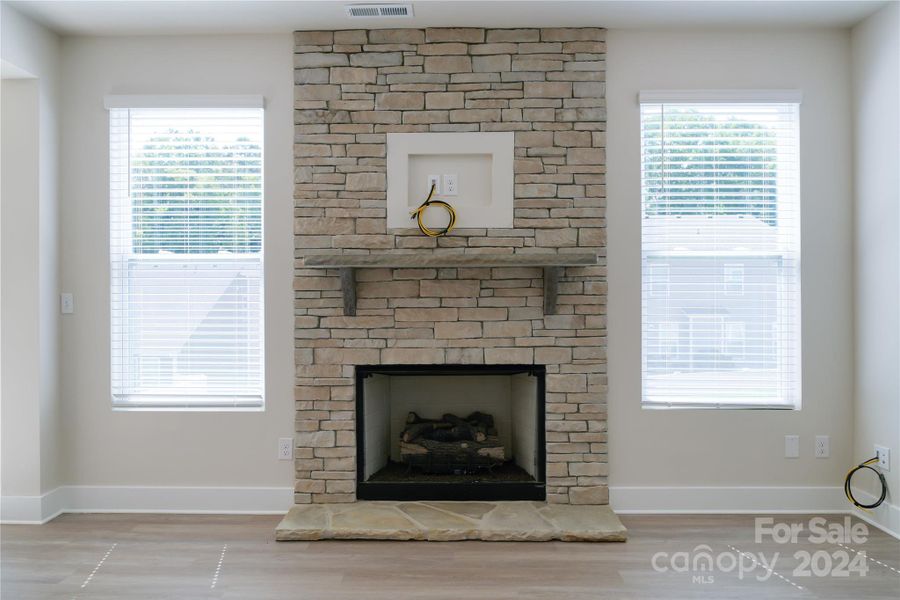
(452, 521)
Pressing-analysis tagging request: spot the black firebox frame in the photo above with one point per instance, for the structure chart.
(487, 490)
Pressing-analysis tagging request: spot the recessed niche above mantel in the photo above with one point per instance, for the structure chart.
(481, 162)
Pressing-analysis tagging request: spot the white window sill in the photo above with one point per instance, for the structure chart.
(189, 408)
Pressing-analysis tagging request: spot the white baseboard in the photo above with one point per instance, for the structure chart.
(145, 499)
(886, 517)
(722, 500)
(625, 500)
(32, 510)
(20, 509)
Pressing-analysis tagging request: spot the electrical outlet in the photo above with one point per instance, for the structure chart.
(884, 458)
(434, 180)
(67, 303)
(792, 446)
(450, 184)
(823, 449)
(285, 448)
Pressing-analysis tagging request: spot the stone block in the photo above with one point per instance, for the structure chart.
(449, 288)
(317, 92)
(513, 35)
(572, 138)
(556, 238)
(350, 36)
(426, 314)
(401, 356)
(400, 101)
(470, 35)
(448, 64)
(319, 75)
(357, 182)
(491, 63)
(509, 356)
(314, 439)
(589, 495)
(313, 38)
(444, 100)
(568, 382)
(548, 89)
(475, 115)
(483, 314)
(457, 330)
(502, 329)
(396, 36)
(353, 75)
(443, 49)
(374, 59)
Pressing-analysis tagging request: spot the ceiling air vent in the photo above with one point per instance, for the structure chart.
(379, 10)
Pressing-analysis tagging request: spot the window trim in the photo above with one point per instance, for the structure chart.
(176, 403)
(719, 96)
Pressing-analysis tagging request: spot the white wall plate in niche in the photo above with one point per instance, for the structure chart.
(482, 163)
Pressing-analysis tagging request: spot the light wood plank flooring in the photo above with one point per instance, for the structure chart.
(127, 557)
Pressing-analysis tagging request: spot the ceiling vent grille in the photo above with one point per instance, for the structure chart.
(379, 11)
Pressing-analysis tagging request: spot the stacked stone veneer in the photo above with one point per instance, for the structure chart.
(353, 87)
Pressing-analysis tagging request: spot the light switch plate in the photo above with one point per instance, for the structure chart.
(792, 446)
(67, 303)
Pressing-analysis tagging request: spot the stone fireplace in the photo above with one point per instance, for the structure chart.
(531, 296)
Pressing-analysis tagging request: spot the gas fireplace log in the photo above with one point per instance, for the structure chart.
(449, 428)
(462, 430)
(418, 430)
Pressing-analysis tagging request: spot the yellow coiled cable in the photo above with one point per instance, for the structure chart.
(419, 212)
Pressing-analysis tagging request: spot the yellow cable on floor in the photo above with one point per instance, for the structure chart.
(847, 492)
(417, 215)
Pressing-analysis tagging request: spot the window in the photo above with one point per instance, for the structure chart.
(186, 191)
(720, 249)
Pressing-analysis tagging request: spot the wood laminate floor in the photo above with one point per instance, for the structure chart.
(128, 557)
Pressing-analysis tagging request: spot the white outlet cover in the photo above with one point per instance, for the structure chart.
(450, 185)
(285, 448)
(823, 446)
(884, 455)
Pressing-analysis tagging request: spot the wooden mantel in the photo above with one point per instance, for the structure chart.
(552, 264)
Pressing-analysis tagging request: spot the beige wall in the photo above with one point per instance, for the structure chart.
(30, 353)
(21, 452)
(736, 448)
(876, 104)
(169, 448)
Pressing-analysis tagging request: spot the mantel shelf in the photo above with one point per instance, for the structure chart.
(552, 265)
(418, 261)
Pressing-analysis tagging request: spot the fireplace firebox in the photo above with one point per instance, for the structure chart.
(450, 432)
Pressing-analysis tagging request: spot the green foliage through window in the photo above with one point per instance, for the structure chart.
(698, 163)
(194, 194)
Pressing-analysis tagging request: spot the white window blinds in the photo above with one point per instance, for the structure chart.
(720, 253)
(186, 191)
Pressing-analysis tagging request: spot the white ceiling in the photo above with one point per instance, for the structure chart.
(165, 17)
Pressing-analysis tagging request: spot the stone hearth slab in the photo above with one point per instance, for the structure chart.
(450, 521)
